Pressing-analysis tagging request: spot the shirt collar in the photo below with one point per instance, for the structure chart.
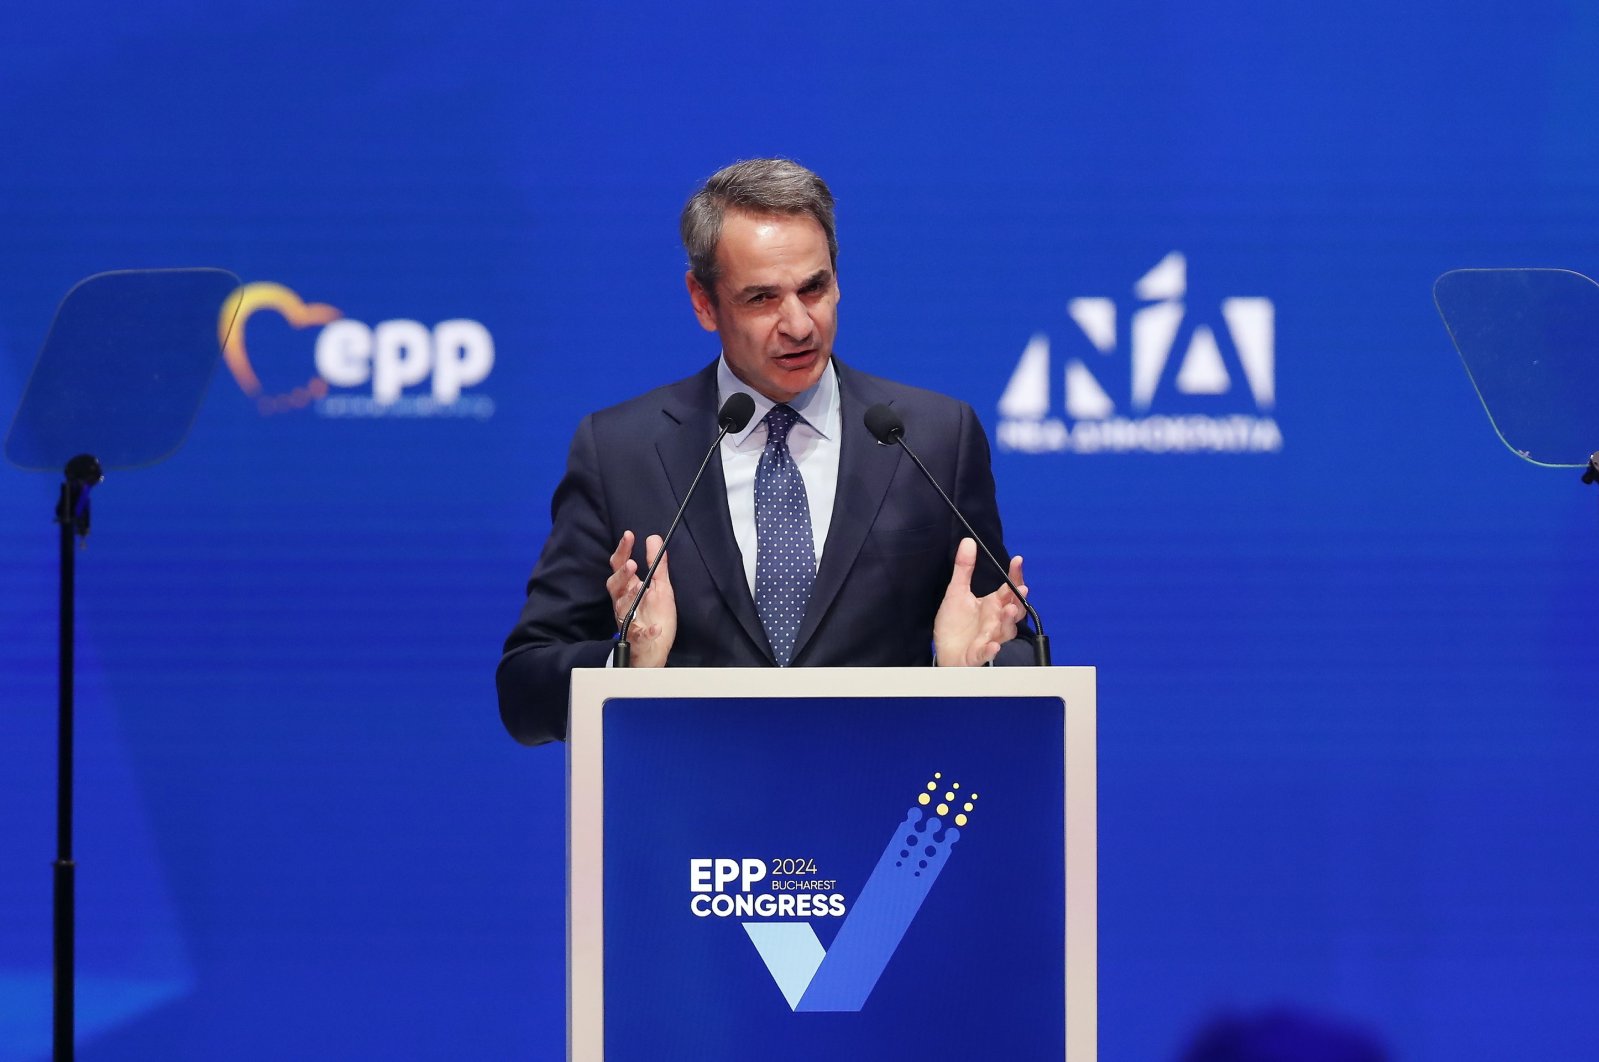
(817, 405)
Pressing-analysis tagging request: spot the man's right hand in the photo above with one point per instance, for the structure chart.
(655, 622)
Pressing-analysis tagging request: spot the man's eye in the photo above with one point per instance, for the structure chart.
(756, 299)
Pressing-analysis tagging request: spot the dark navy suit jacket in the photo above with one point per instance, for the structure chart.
(887, 559)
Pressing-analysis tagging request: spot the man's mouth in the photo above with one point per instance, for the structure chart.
(796, 356)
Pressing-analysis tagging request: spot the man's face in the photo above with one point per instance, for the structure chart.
(777, 304)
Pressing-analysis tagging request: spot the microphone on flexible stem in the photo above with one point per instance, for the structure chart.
(734, 415)
(887, 428)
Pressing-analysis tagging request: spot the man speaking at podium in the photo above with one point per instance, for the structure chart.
(807, 543)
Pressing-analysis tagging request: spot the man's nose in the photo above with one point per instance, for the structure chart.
(795, 321)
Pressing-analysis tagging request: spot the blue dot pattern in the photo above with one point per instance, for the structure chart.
(785, 552)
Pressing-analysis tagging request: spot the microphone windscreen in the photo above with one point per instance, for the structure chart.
(884, 424)
(736, 412)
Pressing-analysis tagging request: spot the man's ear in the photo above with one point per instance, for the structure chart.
(701, 300)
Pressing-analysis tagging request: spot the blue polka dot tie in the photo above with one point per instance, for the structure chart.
(785, 554)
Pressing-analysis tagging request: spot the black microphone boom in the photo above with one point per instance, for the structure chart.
(887, 428)
(734, 415)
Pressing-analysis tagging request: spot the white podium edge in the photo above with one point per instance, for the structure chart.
(1075, 686)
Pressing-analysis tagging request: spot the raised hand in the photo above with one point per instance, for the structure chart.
(969, 630)
(655, 622)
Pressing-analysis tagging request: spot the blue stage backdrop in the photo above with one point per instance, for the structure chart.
(1178, 257)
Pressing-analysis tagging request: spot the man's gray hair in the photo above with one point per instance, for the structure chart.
(755, 186)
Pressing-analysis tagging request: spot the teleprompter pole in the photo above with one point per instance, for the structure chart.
(72, 514)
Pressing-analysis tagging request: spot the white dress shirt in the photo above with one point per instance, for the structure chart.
(813, 442)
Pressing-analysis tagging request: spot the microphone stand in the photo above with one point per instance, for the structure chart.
(622, 653)
(1041, 641)
(889, 430)
(734, 415)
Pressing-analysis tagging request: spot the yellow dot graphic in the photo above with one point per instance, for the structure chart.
(924, 798)
(932, 785)
(949, 796)
(967, 806)
(943, 809)
(960, 820)
(974, 796)
(938, 774)
(954, 785)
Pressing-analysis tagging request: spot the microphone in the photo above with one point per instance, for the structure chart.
(733, 416)
(889, 430)
(736, 412)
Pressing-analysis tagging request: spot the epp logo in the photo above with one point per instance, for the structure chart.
(810, 977)
(387, 357)
(1171, 404)
(714, 875)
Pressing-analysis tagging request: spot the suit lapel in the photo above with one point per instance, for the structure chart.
(865, 468)
(690, 408)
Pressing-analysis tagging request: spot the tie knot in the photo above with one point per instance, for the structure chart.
(778, 421)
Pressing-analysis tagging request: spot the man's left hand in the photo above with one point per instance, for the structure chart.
(968, 630)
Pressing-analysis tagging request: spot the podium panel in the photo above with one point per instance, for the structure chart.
(832, 863)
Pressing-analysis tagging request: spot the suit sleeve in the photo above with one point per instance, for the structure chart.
(567, 619)
(975, 494)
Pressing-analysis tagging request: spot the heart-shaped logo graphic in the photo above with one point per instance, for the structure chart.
(265, 295)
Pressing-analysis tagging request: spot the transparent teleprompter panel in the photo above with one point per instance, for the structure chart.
(1530, 342)
(123, 370)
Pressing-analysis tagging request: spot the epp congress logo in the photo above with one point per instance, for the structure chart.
(810, 977)
(1217, 396)
(395, 368)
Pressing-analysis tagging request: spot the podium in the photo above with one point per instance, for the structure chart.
(832, 864)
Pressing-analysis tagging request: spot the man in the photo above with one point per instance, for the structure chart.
(807, 543)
